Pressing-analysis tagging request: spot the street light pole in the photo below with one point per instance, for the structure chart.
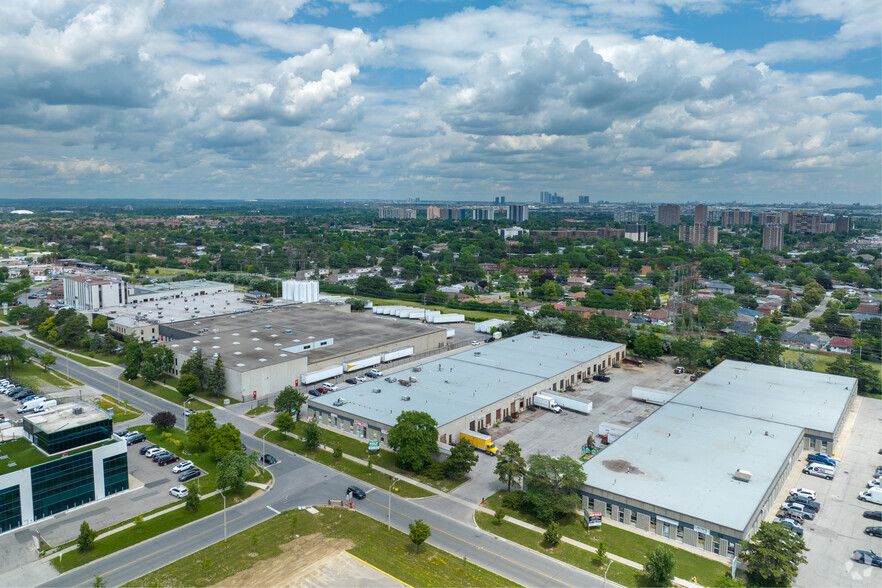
(389, 522)
(225, 515)
(264, 449)
(606, 572)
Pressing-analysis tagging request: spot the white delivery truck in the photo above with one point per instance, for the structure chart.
(820, 470)
(873, 495)
(46, 405)
(30, 405)
(545, 402)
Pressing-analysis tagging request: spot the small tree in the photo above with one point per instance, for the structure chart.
(226, 438)
(255, 543)
(216, 380)
(312, 435)
(47, 360)
(200, 429)
(552, 534)
(188, 385)
(510, 466)
(419, 532)
(86, 539)
(165, 420)
(499, 515)
(196, 365)
(773, 555)
(338, 453)
(285, 422)
(289, 400)
(205, 564)
(193, 501)
(601, 550)
(659, 566)
(231, 471)
(461, 461)
(99, 582)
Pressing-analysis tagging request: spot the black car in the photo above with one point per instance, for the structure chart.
(873, 531)
(867, 556)
(351, 381)
(601, 378)
(137, 438)
(356, 492)
(314, 392)
(147, 448)
(811, 504)
(189, 475)
(268, 459)
(878, 471)
(162, 455)
(372, 375)
(876, 515)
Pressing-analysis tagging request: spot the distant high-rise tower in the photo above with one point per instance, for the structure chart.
(701, 214)
(843, 224)
(518, 212)
(550, 198)
(699, 233)
(773, 237)
(499, 201)
(737, 217)
(636, 232)
(584, 199)
(626, 216)
(668, 215)
(805, 223)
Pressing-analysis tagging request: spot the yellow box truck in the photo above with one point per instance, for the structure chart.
(480, 442)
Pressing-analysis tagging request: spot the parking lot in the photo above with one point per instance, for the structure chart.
(541, 431)
(839, 527)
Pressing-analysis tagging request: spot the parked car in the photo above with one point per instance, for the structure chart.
(351, 381)
(188, 412)
(790, 524)
(122, 433)
(136, 438)
(821, 458)
(323, 389)
(168, 459)
(867, 556)
(474, 342)
(356, 492)
(184, 465)
(815, 506)
(161, 455)
(373, 373)
(878, 472)
(330, 386)
(268, 459)
(600, 378)
(360, 379)
(314, 392)
(179, 492)
(873, 531)
(678, 370)
(153, 451)
(874, 482)
(147, 448)
(875, 515)
(810, 494)
(189, 474)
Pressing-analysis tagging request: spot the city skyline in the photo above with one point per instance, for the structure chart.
(658, 101)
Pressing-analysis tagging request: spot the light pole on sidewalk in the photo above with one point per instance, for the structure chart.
(225, 514)
(389, 523)
(606, 572)
(263, 455)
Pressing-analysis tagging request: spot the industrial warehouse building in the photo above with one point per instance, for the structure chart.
(467, 390)
(706, 468)
(90, 293)
(67, 458)
(267, 349)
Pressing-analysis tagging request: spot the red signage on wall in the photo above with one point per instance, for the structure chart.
(255, 394)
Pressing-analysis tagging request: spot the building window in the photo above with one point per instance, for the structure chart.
(62, 484)
(116, 474)
(10, 508)
(608, 509)
(633, 517)
(621, 515)
(590, 504)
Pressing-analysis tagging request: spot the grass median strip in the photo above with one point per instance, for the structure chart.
(347, 466)
(632, 546)
(391, 553)
(165, 393)
(141, 532)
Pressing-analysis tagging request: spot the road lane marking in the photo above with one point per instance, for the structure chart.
(272, 509)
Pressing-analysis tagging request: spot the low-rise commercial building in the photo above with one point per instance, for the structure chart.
(706, 468)
(67, 458)
(469, 390)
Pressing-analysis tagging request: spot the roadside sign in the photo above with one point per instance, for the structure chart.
(594, 519)
(373, 445)
(110, 411)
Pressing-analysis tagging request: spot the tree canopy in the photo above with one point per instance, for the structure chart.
(551, 485)
(773, 555)
(510, 465)
(414, 438)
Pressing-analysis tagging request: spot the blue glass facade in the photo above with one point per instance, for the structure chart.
(116, 474)
(69, 438)
(62, 484)
(10, 508)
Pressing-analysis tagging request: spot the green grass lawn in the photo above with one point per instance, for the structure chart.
(35, 377)
(627, 544)
(356, 470)
(392, 553)
(259, 410)
(143, 531)
(824, 360)
(382, 458)
(121, 412)
(204, 394)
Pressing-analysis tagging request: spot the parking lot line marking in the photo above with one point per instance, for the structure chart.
(272, 509)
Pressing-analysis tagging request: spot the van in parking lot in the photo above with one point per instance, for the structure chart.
(820, 470)
(873, 495)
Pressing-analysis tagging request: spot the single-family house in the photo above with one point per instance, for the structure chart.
(746, 315)
(720, 287)
(801, 340)
(840, 345)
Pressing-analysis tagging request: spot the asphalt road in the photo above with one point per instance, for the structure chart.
(815, 312)
(304, 482)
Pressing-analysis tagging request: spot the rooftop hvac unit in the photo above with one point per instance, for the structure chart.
(743, 475)
(77, 410)
(405, 398)
(478, 353)
(376, 390)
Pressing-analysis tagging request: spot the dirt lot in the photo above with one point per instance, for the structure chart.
(310, 561)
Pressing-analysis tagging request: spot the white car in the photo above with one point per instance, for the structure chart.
(874, 483)
(184, 465)
(154, 451)
(179, 492)
(810, 494)
(330, 386)
(474, 342)
(375, 373)
(360, 379)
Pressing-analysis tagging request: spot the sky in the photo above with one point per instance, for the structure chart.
(649, 100)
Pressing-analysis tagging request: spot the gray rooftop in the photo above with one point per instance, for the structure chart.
(174, 310)
(461, 383)
(182, 286)
(804, 399)
(245, 339)
(62, 417)
(668, 472)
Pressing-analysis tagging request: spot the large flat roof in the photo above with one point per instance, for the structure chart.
(61, 417)
(245, 339)
(173, 310)
(683, 458)
(461, 383)
(181, 286)
(804, 399)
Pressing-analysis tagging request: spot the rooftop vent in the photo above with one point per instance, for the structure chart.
(405, 398)
(77, 410)
(376, 390)
(742, 475)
